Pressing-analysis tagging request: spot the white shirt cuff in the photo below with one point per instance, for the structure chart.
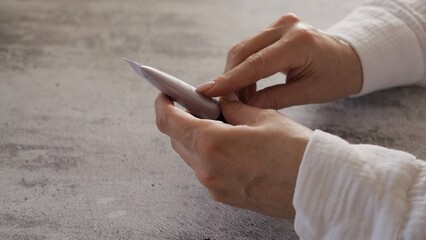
(346, 191)
(389, 49)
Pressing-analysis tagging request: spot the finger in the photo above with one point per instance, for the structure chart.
(173, 121)
(283, 95)
(241, 51)
(277, 57)
(245, 93)
(238, 113)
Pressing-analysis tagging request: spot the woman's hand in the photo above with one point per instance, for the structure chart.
(319, 68)
(251, 163)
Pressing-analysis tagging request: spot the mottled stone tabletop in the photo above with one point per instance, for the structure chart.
(80, 156)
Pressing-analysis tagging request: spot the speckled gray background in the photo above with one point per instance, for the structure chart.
(80, 157)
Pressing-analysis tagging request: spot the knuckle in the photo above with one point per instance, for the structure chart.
(304, 35)
(289, 18)
(257, 63)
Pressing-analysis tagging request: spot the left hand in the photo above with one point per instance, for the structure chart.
(251, 163)
(319, 67)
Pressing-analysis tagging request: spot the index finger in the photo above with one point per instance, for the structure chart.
(261, 64)
(173, 121)
(241, 51)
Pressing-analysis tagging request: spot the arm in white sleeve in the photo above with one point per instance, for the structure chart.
(346, 191)
(389, 36)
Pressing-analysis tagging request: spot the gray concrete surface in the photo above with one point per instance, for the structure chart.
(80, 157)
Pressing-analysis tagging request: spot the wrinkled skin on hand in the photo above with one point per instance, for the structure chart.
(251, 163)
(319, 68)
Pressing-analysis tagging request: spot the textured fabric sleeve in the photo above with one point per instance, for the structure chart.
(390, 39)
(346, 191)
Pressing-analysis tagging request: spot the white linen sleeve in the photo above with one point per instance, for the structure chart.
(390, 39)
(346, 191)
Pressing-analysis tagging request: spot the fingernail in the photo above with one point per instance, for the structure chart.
(230, 97)
(205, 86)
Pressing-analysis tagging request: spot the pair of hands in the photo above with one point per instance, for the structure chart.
(252, 161)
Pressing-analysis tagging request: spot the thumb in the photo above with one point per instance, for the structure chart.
(282, 96)
(238, 113)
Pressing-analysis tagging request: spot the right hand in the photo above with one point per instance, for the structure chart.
(251, 162)
(319, 67)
